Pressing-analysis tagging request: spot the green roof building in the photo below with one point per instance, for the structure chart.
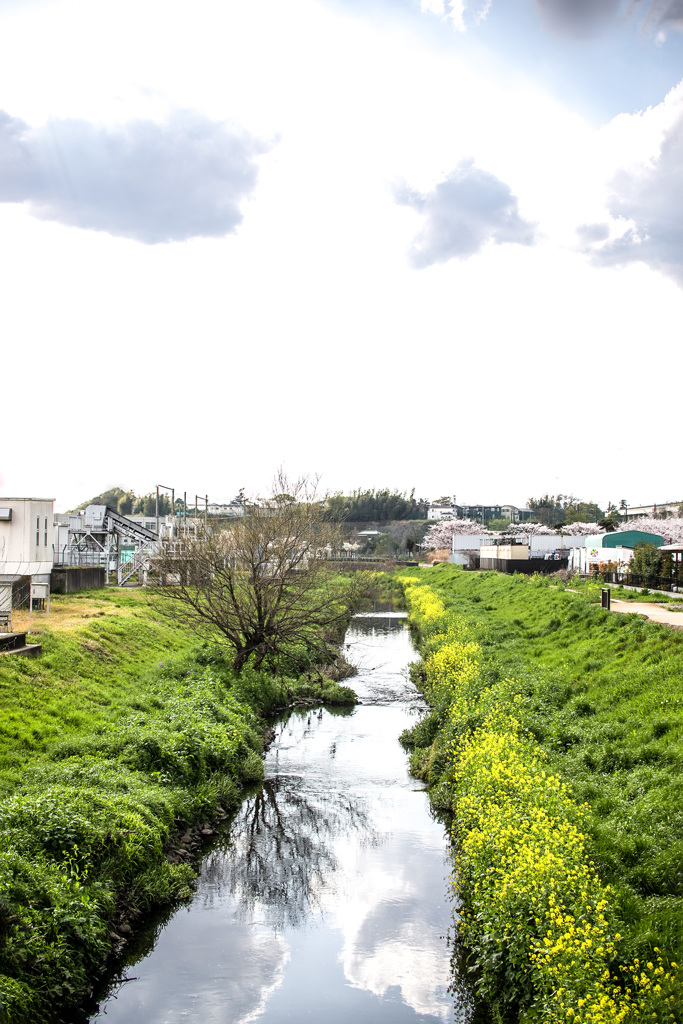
(623, 539)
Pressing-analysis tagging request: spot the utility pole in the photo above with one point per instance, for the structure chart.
(163, 487)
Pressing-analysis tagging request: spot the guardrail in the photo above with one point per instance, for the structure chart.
(355, 556)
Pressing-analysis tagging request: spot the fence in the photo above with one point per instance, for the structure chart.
(70, 555)
(634, 579)
(528, 566)
(354, 560)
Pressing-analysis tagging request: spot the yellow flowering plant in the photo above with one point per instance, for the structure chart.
(538, 926)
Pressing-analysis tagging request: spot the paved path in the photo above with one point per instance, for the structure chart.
(655, 612)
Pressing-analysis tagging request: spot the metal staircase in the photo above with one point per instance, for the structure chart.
(96, 538)
(139, 564)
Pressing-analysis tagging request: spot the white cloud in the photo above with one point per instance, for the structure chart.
(457, 14)
(650, 205)
(462, 213)
(645, 194)
(142, 180)
(433, 6)
(457, 11)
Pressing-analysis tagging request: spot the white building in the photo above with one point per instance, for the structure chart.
(610, 549)
(232, 508)
(443, 512)
(26, 538)
(667, 509)
(536, 545)
(542, 544)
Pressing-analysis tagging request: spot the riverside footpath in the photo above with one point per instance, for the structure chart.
(654, 612)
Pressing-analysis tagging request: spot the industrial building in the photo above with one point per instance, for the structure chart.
(26, 544)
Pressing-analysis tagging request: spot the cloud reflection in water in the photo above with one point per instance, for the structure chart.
(327, 896)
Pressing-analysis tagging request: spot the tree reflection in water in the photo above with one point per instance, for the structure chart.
(325, 892)
(280, 855)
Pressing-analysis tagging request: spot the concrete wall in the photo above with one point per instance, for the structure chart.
(544, 542)
(69, 579)
(515, 552)
(469, 541)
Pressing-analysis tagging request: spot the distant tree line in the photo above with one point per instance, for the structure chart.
(379, 505)
(128, 503)
(556, 509)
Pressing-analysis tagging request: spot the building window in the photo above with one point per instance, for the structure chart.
(45, 531)
(37, 531)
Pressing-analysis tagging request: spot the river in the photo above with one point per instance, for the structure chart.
(327, 897)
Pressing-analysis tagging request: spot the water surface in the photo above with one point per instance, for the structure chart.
(327, 897)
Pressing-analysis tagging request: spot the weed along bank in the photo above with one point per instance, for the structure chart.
(121, 745)
(554, 738)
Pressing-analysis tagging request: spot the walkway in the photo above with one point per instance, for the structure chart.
(655, 612)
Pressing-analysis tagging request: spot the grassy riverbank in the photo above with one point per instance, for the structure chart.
(557, 740)
(122, 736)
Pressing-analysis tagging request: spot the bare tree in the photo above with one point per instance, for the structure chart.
(261, 583)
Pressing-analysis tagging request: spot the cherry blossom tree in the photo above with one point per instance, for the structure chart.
(670, 529)
(580, 529)
(442, 532)
(529, 528)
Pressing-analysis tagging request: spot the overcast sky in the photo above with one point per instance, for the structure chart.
(400, 243)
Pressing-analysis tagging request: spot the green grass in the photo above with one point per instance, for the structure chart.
(602, 696)
(126, 731)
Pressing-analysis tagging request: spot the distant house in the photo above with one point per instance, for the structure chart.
(232, 508)
(149, 522)
(665, 509)
(517, 515)
(478, 513)
(443, 512)
(481, 513)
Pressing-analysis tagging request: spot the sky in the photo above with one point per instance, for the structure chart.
(430, 244)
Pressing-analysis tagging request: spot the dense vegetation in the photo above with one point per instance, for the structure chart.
(375, 506)
(124, 734)
(556, 738)
(129, 503)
